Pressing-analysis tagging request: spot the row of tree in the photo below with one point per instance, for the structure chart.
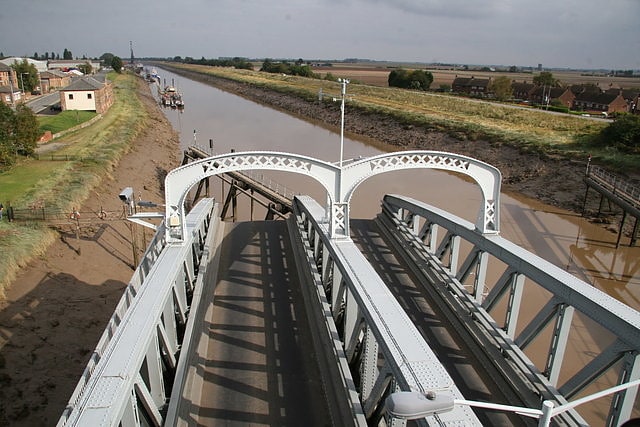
(237, 62)
(415, 79)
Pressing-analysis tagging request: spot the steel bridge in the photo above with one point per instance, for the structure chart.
(320, 319)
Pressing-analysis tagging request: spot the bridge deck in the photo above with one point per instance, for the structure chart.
(464, 360)
(253, 363)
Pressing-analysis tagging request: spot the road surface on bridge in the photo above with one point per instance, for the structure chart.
(254, 361)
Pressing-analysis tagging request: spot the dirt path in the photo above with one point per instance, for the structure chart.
(59, 305)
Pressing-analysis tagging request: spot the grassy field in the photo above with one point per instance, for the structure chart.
(64, 120)
(529, 129)
(65, 184)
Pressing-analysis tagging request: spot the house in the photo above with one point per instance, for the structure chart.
(9, 89)
(471, 86)
(600, 102)
(88, 94)
(54, 79)
(523, 90)
(553, 95)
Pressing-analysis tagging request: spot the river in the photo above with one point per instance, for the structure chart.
(564, 238)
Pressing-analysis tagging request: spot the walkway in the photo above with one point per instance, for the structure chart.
(254, 362)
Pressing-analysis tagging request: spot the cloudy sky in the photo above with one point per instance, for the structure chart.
(555, 33)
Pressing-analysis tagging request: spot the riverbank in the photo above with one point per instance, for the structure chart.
(553, 180)
(58, 306)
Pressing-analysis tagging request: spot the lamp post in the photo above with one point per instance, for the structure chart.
(413, 405)
(22, 80)
(344, 83)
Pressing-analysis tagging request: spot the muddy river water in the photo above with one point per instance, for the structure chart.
(564, 238)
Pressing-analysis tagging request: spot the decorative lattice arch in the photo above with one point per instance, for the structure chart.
(340, 183)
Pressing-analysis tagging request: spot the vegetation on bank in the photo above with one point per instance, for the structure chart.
(64, 185)
(64, 120)
(530, 130)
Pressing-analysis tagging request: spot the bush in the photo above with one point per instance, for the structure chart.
(416, 79)
(623, 133)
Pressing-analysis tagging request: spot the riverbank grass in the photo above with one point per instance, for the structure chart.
(528, 129)
(65, 184)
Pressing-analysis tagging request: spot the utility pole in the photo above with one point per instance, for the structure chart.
(344, 83)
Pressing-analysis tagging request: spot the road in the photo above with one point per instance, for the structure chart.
(41, 104)
(254, 362)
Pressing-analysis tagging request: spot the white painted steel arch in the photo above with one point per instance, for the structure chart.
(340, 183)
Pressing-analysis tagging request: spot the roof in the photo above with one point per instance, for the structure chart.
(7, 89)
(52, 73)
(4, 67)
(84, 83)
(597, 98)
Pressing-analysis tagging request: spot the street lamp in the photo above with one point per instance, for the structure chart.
(413, 405)
(344, 83)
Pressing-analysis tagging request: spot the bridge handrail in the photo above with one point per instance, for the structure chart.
(617, 185)
(568, 293)
(408, 358)
(144, 333)
(156, 245)
(269, 183)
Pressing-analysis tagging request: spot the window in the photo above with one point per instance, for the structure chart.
(70, 96)
(89, 95)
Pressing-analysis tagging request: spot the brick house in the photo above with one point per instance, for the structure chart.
(471, 86)
(88, 94)
(601, 102)
(522, 90)
(9, 89)
(555, 95)
(53, 79)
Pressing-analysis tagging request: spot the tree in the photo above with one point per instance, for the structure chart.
(19, 133)
(85, 68)
(623, 133)
(27, 131)
(501, 88)
(116, 64)
(416, 79)
(27, 75)
(67, 54)
(106, 58)
(7, 126)
(545, 78)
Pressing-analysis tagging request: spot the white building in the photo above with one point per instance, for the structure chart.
(41, 66)
(88, 94)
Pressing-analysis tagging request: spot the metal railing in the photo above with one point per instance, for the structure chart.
(568, 317)
(618, 186)
(130, 373)
(367, 334)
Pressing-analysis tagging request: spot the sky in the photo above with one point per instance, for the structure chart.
(584, 34)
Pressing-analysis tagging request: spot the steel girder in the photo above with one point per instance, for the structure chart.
(571, 298)
(384, 349)
(126, 384)
(339, 182)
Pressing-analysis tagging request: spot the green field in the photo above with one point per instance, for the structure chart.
(64, 120)
(48, 183)
(528, 129)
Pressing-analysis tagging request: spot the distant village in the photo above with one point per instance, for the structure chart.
(77, 91)
(92, 92)
(588, 98)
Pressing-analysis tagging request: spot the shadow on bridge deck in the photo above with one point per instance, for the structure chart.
(254, 361)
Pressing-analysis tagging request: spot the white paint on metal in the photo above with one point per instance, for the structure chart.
(340, 181)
